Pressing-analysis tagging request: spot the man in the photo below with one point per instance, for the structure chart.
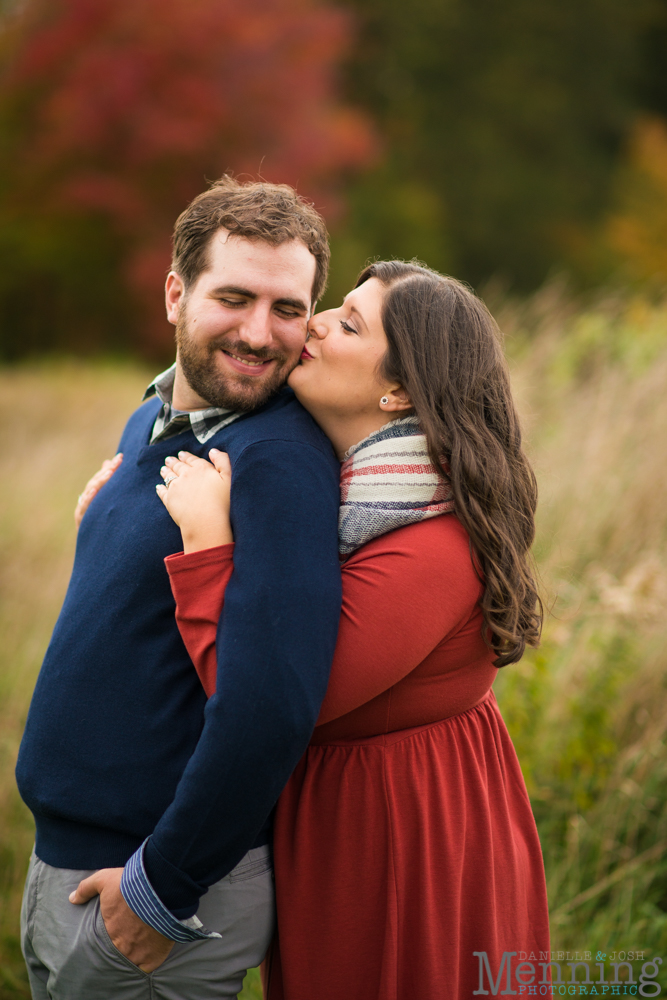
(141, 790)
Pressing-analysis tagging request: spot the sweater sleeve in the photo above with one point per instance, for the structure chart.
(275, 643)
(421, 575)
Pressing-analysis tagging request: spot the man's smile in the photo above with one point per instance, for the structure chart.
(247, 365)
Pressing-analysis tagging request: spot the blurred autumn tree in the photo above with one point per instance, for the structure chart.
(637, 228)
(112, 115)
(503, 126)
(513, 138)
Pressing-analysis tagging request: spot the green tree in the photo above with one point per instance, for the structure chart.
(502, 124)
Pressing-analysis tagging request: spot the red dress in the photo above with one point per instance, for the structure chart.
(404, 842)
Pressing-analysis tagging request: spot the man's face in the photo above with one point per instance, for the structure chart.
(241, 327)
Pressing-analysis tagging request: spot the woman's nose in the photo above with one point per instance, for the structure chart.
(317, 326)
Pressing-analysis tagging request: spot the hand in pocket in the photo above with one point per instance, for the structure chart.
(134, 939)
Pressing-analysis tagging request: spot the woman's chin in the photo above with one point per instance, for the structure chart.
(296, 377)
(295, 380)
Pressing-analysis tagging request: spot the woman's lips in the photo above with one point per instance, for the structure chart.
(305, 353)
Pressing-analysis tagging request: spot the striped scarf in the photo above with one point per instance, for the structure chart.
(388, 481)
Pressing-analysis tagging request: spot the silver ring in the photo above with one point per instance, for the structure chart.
(168, 480)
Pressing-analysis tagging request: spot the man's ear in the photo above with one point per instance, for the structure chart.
(397, 400)
(174, 293)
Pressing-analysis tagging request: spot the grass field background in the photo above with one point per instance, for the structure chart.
(587, 712)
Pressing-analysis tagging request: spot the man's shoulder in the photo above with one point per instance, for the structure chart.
(139, 422)
(144, 413)
(281, 419)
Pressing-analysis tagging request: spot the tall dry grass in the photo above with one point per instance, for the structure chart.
(57, 422)
(588, 711)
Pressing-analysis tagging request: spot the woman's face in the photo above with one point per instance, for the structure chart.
(338, 374)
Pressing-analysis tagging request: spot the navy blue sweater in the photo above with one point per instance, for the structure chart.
(120, 742)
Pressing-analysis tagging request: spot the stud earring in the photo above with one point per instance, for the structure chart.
(384, 400)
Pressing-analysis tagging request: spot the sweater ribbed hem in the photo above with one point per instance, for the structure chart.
(63, 843)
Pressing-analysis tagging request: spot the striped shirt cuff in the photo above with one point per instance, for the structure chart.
(141, 897)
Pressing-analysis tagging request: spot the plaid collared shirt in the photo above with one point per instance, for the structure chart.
(170, 422)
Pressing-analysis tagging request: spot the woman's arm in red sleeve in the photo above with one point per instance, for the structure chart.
(403, 593)
(198, 582)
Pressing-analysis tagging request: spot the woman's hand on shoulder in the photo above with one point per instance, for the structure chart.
(94, 485)
(197, 495)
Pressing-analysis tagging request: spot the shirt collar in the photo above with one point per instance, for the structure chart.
(162, 385)
(170, 421)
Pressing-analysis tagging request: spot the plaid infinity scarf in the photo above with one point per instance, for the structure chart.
(388, 481)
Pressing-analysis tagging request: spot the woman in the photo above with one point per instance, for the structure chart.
(406, 856)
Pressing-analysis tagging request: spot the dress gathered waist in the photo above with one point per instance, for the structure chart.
(398, 735)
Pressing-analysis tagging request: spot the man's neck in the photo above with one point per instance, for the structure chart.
(184, 397)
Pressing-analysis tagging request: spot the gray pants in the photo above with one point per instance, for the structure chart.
(70, 955)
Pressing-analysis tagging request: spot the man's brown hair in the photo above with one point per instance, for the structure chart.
(254, 210)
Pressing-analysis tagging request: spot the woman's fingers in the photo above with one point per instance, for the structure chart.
(173, 466)
(188, 458)
(193, 461)
(196, 495)
(186, 461)
(190, 469)
(221, 461)
(94, 485)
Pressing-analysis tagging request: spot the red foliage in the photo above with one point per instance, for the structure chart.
(136, 102)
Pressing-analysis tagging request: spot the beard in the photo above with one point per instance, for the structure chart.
(229, 391)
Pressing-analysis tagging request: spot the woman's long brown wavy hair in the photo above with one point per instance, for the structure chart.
(445, 350)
